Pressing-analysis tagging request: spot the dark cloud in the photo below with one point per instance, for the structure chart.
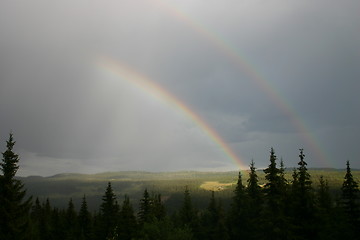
(69, 114)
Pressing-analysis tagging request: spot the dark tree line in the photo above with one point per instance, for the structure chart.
(280, 209)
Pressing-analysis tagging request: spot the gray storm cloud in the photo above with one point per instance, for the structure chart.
(68, 114)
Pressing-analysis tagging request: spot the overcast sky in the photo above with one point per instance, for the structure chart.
(262, 74)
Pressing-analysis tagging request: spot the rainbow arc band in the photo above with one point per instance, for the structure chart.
(239, 60)
(124, 72)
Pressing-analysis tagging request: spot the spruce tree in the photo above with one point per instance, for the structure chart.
(127, 221)
(255, 202)
(145, 209)
(324, 200)
(350, 198)
(84, 221)
(70, 221)
(253, 189)
(239, 212)
(188, 214)
(303, 210)
(158, 208)
(109, 212)
(272, 188)
(187, 211)
(14, 206)
(275, 223)
(48, 221)
(36, 214)
(213, 225)
(326, 226)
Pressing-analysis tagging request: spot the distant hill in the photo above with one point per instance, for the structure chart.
(61, 187)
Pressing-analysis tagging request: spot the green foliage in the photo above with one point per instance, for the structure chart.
(127, 222)
(275, 222)
(213, 221)
(303, 209)
(14, 208)
(281, 209)
(109, 211)
(350, 200)
(84, 221)
(145, 211)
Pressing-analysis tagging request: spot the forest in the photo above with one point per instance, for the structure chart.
(273, 206)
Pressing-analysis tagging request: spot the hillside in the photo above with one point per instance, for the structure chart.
(61, 187)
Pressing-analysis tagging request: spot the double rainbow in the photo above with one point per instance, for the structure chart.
(244, 66)
(124, 72)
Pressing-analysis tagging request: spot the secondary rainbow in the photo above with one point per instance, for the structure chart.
(244, 66)
(150, 87)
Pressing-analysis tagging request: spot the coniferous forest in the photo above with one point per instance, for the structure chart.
(279, 209)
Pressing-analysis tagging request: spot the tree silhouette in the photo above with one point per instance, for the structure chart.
(109, 212)
(14, 208)
(350, 199)
(84, 221)
(127, 221)
(145, 209)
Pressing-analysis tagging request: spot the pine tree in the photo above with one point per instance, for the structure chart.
(36, 213)
(109, 211)
(253, 189)
(145, 209)
(158, 208)
(273, 187)
(275, 223)
(255, 201)
(283, 183)
(213, 221)
(48, 221)
(326, 226)
(14, 208)
(303, 210)
(84, 220)
(187, 211)
(239, 212)
(127, 222)
(71, 221)
(350, 198)
(188, 214)
(324, 200)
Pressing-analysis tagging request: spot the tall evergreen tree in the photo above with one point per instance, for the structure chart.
(326, 226)
(84, 221)
(145, 209)
(187, 211)
(255, 202)
(109, 212)
(158, 208)
(273, 187)
(71, 221)
(239, 212)
(324, 200)
(48, 221)
(283, 182)
(213, 225)
(275, 223)
(127, 221)
(253, 189)
(350, 198)
(14, 207)
(303, 211)
(188, 214)
(36, 213)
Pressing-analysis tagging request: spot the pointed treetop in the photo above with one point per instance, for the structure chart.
(9, 164)
(302, 156)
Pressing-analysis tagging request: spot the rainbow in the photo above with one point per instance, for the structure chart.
(125, 72)
(244, 66)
